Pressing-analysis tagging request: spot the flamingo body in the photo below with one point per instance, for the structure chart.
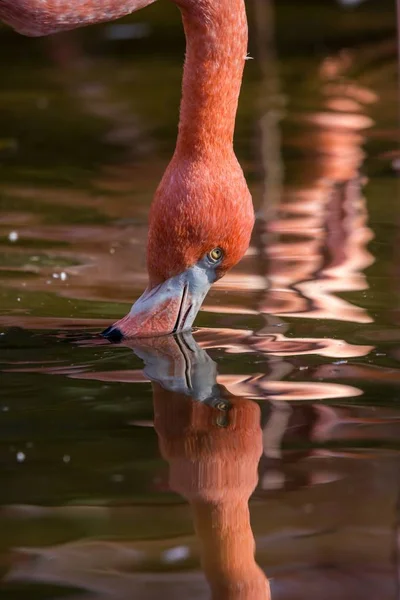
(44, 17)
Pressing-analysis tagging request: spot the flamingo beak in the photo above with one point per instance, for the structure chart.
(170, 307)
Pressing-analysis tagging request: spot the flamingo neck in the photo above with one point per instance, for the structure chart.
(216, 47)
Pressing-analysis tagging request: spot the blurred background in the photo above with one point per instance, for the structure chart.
(306, 328)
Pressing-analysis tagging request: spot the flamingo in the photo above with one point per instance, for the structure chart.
(202, 214)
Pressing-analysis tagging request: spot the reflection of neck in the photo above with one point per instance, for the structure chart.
(215, 468)
(227, 549)
(216, 45)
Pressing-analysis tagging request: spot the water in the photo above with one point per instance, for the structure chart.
(288, 391)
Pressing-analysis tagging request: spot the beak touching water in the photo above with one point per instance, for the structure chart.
(170, 307)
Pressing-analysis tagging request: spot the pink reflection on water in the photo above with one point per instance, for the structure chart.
(277, 344)
(259, 387)
(317, 241)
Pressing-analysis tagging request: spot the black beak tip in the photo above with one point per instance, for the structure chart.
(113, 334)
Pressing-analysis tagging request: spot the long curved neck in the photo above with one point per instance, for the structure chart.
(216, 47)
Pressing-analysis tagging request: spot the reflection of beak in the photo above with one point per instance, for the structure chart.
(170, 307)
(179, 365)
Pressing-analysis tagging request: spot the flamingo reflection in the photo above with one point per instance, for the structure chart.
(212, 441)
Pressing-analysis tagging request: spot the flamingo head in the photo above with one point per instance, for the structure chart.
(200, 226)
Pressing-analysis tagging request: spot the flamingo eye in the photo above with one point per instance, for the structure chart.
(215, 255)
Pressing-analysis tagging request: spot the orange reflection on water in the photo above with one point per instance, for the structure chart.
(317, 240)
(260, 387)
(277, 344)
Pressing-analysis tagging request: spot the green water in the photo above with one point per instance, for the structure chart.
(305, 331)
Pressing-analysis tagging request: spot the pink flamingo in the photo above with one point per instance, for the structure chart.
(202, 215)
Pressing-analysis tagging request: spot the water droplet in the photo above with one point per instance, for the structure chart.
(350, 2)
(66, 458)
(13, 236)
(175, 554)
(63, 276)
(20, 457)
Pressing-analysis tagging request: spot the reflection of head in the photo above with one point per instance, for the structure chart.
(179, 365)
